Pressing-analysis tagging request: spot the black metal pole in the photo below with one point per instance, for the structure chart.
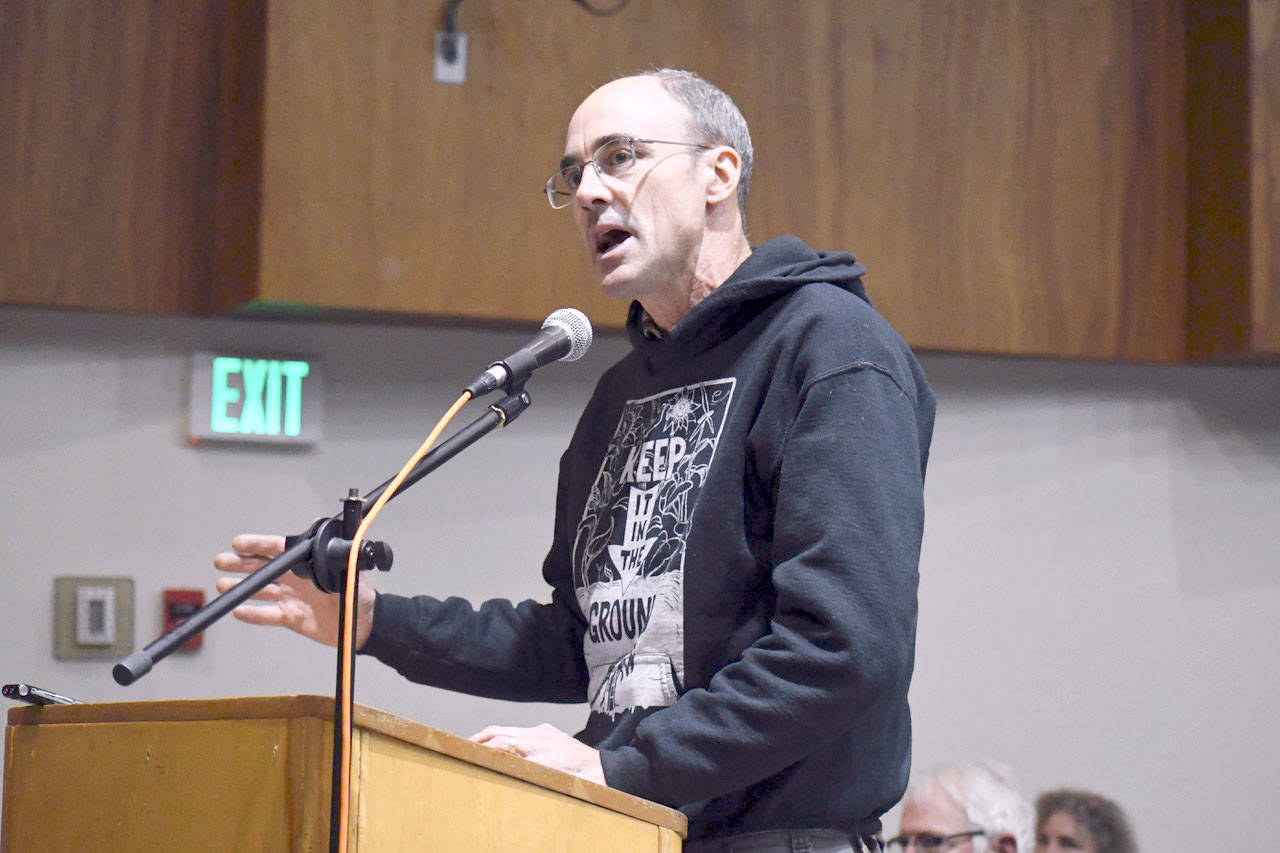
(140, 662)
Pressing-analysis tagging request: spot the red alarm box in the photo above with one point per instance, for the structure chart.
(178, 605)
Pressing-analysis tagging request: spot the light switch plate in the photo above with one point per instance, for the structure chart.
(92, 618)
(95, 615)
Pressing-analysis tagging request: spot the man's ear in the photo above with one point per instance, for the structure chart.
(726, 170)
(1006, 844)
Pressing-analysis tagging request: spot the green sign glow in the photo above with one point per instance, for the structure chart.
(241, 398)
(270, 392)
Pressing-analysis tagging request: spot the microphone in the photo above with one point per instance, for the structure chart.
(565, 336)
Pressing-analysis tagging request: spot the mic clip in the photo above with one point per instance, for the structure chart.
(509, 408)
(326, 563)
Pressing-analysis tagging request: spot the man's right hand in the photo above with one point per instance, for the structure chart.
(291, 601)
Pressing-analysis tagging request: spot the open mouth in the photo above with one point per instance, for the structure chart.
(610, 240)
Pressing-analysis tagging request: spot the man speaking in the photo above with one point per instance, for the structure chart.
(733, 569)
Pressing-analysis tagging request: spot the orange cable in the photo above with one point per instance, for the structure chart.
(349, 611)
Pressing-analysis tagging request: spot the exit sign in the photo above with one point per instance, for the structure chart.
(254, 398)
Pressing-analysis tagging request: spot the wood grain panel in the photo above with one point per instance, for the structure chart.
(1012, 173)
(237, 143)
(439, 803)
(1021, 189)
(1233, 140)
(1265, 175)
(463, 750)
(387, 191)
(139, 790)
(1061, 179)
(316, 712)
(106, 154)
(1219, 316)
(265, 762)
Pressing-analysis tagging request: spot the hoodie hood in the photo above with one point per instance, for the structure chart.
(773, 270)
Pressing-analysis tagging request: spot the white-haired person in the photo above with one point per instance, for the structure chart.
(968, 807)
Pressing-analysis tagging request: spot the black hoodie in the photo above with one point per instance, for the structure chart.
(734, 565)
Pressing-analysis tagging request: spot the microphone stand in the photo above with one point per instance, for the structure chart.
(321, 554)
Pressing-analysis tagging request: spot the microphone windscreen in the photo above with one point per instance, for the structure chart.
(576, 326)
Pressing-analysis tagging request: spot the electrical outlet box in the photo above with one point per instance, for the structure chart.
(451, 58)
(92, 618)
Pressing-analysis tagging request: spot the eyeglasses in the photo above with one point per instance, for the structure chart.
(929, 841)
(615, 159)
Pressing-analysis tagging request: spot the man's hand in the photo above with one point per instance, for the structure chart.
(292, 601)
(547, 745)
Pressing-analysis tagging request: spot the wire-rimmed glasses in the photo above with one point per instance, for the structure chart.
(931, 842)
(616, 158)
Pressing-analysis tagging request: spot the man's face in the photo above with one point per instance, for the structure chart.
(937, 815)
(643, 231)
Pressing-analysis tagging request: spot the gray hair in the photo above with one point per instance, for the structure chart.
(716, 119)
(986, 792)
(1102, 818)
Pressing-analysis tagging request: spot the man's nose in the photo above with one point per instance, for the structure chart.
(592, 187)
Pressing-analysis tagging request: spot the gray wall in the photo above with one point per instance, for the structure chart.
(1100, 578)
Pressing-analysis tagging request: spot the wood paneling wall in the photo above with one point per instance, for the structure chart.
(1017, 176)
(1264, 176)
(1218, 233)
(107, 150)
(1011, 173)
(1020, 177)
(1233, 178)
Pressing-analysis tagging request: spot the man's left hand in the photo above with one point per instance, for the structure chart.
(546, 745)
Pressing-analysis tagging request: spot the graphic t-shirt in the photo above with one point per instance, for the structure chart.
(629, 553)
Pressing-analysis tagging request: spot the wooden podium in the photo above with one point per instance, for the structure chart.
(254, 774)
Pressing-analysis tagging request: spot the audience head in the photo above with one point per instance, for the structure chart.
(970, 807)
(1081, 822)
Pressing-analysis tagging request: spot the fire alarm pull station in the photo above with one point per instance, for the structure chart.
(179, 604)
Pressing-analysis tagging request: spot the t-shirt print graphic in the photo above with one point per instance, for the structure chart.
(628, 555)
